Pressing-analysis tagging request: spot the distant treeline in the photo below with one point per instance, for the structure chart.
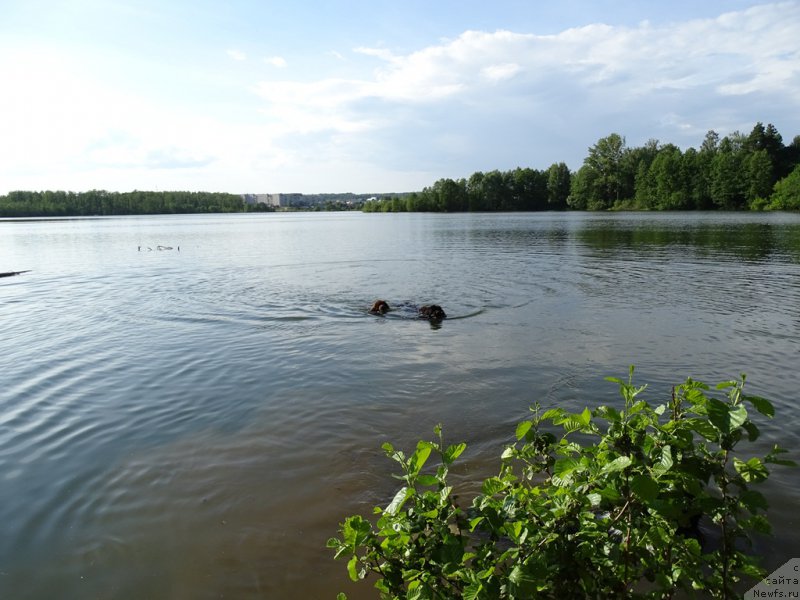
(737, 172)
(100, 202)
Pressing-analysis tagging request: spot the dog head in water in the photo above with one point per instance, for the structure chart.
(380, 307)
(433, 312)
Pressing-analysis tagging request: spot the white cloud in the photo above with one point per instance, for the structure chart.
(64, 129)
(500, 72)
(276, 61)
(236, 54)
(381, 53)
(596, 70)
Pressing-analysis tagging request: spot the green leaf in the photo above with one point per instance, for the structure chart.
(399, 499)
(753, 500)
(523, 582)
(355, 531)
(738, 416)
(610, 492)
(427, 480)
(352, 564)
(564, 467)
(523, 428)
(752, 470)
(762, 405)
(644, 487)
(772, 457)
(758, 523)
(618, 464)
(552, 413)
(752, 431)
(341, 596)
(704, 428)
(420, 456)
(639, 406)
(492, 486)
(666, 462)
(753, 571)
(514, 529)
(453, 452)
(608, 413)
(508, 453)
(472, 591)
(416, 591)
(725, 417)
(570, 423)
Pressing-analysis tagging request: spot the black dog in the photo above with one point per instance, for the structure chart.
(432, 312)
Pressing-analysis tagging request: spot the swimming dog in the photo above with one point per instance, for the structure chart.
(432, 312)
(380, 307)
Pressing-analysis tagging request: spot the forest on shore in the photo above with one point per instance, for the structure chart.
(736, 172)
(754, 171)
(101, 202)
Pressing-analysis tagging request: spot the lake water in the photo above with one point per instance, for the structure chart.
(195, 422)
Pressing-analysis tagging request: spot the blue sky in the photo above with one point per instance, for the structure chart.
(372, 96)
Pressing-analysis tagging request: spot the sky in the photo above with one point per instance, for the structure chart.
(373, 96)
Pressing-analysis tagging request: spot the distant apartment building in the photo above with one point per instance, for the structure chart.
(254, 199)
(308, 201)
(276, 200)
(284, 200)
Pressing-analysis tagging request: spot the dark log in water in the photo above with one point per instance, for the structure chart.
(10, 273)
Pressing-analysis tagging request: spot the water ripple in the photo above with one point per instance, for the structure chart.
(170, 423)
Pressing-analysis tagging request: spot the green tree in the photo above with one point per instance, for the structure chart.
(412, 202)
(637, 163)
(476, 197)
(696, 184)
(710, 142)
(758, 173)
(583, 189)
(606, 161)
(558, 186)
(495, 190)
(528, 189)
(645, 194)
(727, 181)
(787, 192)
(770, 141)
(790, 157)
(669, 186)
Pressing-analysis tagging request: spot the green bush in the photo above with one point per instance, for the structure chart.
(613, 515)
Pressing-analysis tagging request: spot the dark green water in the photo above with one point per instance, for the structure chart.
(194, 423)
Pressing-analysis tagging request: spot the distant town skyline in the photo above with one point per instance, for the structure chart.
(372, 97)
